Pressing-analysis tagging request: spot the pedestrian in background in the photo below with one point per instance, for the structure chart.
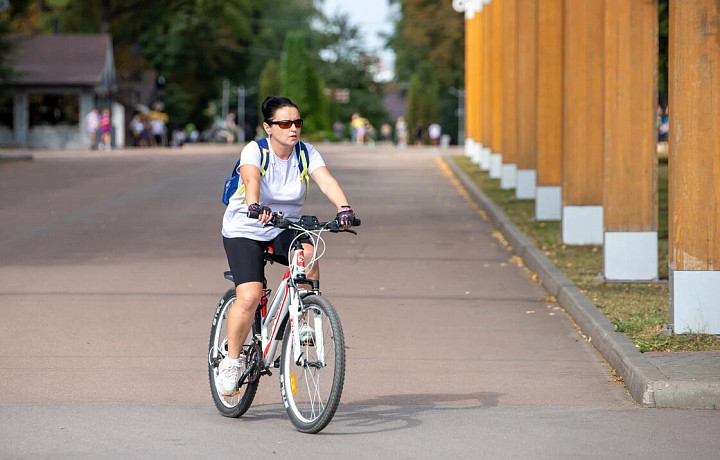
(92, 124)
(386, 132)
(231, 128)
(358, 125)
(339, 130)
(401, 132)
(158, 130)
(137, 129)
(419, 133)
(105, 129)
(434, 132)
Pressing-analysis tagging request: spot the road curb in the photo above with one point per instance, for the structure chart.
(8, 157)
(646, 384)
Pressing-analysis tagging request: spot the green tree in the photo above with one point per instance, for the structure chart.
(663, 22)
(422, 98)
(194, 44)
(17, 9)
(300, 83)
(270, 82)
(433, 32)
(195, 48)
(347, 65)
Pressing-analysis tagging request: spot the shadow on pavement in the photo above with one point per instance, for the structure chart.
(384, 413)
(400, 412)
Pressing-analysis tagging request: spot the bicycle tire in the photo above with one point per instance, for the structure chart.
(236, 405)
(309, 404)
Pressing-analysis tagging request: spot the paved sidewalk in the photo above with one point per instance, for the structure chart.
(674, 380)
(29, 154)
(15, 155)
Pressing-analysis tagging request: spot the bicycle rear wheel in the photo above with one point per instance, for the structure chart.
(311, 392)
(237, 404)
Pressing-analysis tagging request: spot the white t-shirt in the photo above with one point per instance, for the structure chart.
(280, 188)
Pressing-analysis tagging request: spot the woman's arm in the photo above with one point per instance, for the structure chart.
(250, 175)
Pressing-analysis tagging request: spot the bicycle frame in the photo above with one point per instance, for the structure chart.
(311, 375)
(286, 302)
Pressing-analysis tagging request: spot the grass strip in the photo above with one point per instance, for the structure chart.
(639, 310)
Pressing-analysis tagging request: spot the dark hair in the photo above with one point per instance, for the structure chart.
(272, 103)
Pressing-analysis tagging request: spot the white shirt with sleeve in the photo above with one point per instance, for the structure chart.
(280, 189)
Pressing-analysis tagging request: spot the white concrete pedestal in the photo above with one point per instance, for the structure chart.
(496, 166)
(508, 176)
(548, 203)
(695, 301)
(582, 225)
(526, 184)
(631, 256)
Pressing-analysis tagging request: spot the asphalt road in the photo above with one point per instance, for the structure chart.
(111, 266)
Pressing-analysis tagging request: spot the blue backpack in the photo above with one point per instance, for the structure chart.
(233, 185)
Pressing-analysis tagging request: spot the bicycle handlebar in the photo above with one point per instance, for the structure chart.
(306, 222)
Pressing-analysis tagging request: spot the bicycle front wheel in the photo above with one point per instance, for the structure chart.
(311, 391)
(238, 403)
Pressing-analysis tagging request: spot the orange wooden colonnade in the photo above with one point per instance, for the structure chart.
(561, 99)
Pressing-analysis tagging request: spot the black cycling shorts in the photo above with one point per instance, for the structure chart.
(246, 256)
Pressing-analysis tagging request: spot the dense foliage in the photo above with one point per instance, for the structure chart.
(347, 65)
(17, 9)
(300, 83)
(196, 44)
(664, 20)
(270, 83)
(433, 32)
(422, 100)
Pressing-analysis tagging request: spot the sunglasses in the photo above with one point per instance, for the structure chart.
(285, 124)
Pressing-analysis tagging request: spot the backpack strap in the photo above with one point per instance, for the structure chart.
(303, 160)
(264, 155)
(264, 161)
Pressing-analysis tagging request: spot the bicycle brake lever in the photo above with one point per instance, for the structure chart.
(334, 226)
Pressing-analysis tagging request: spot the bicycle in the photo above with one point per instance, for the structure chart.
(313, 344)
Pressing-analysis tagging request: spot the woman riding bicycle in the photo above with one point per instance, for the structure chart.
(280, 188)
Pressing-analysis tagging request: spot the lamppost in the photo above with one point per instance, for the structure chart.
(467, 110)
(241, 93)
(225, 98)
(460, 93)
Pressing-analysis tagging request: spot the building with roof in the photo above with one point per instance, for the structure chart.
(57, 80)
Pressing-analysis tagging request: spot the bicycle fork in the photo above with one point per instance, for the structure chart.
(297, 274)
(315, 330)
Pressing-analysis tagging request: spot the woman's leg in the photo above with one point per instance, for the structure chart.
(242, 315)
(245, 258)
(312, 272)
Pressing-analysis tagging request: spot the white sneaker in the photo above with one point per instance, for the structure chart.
(227, 378)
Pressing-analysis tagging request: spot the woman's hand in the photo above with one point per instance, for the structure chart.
(345, 217)
(265, 213)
